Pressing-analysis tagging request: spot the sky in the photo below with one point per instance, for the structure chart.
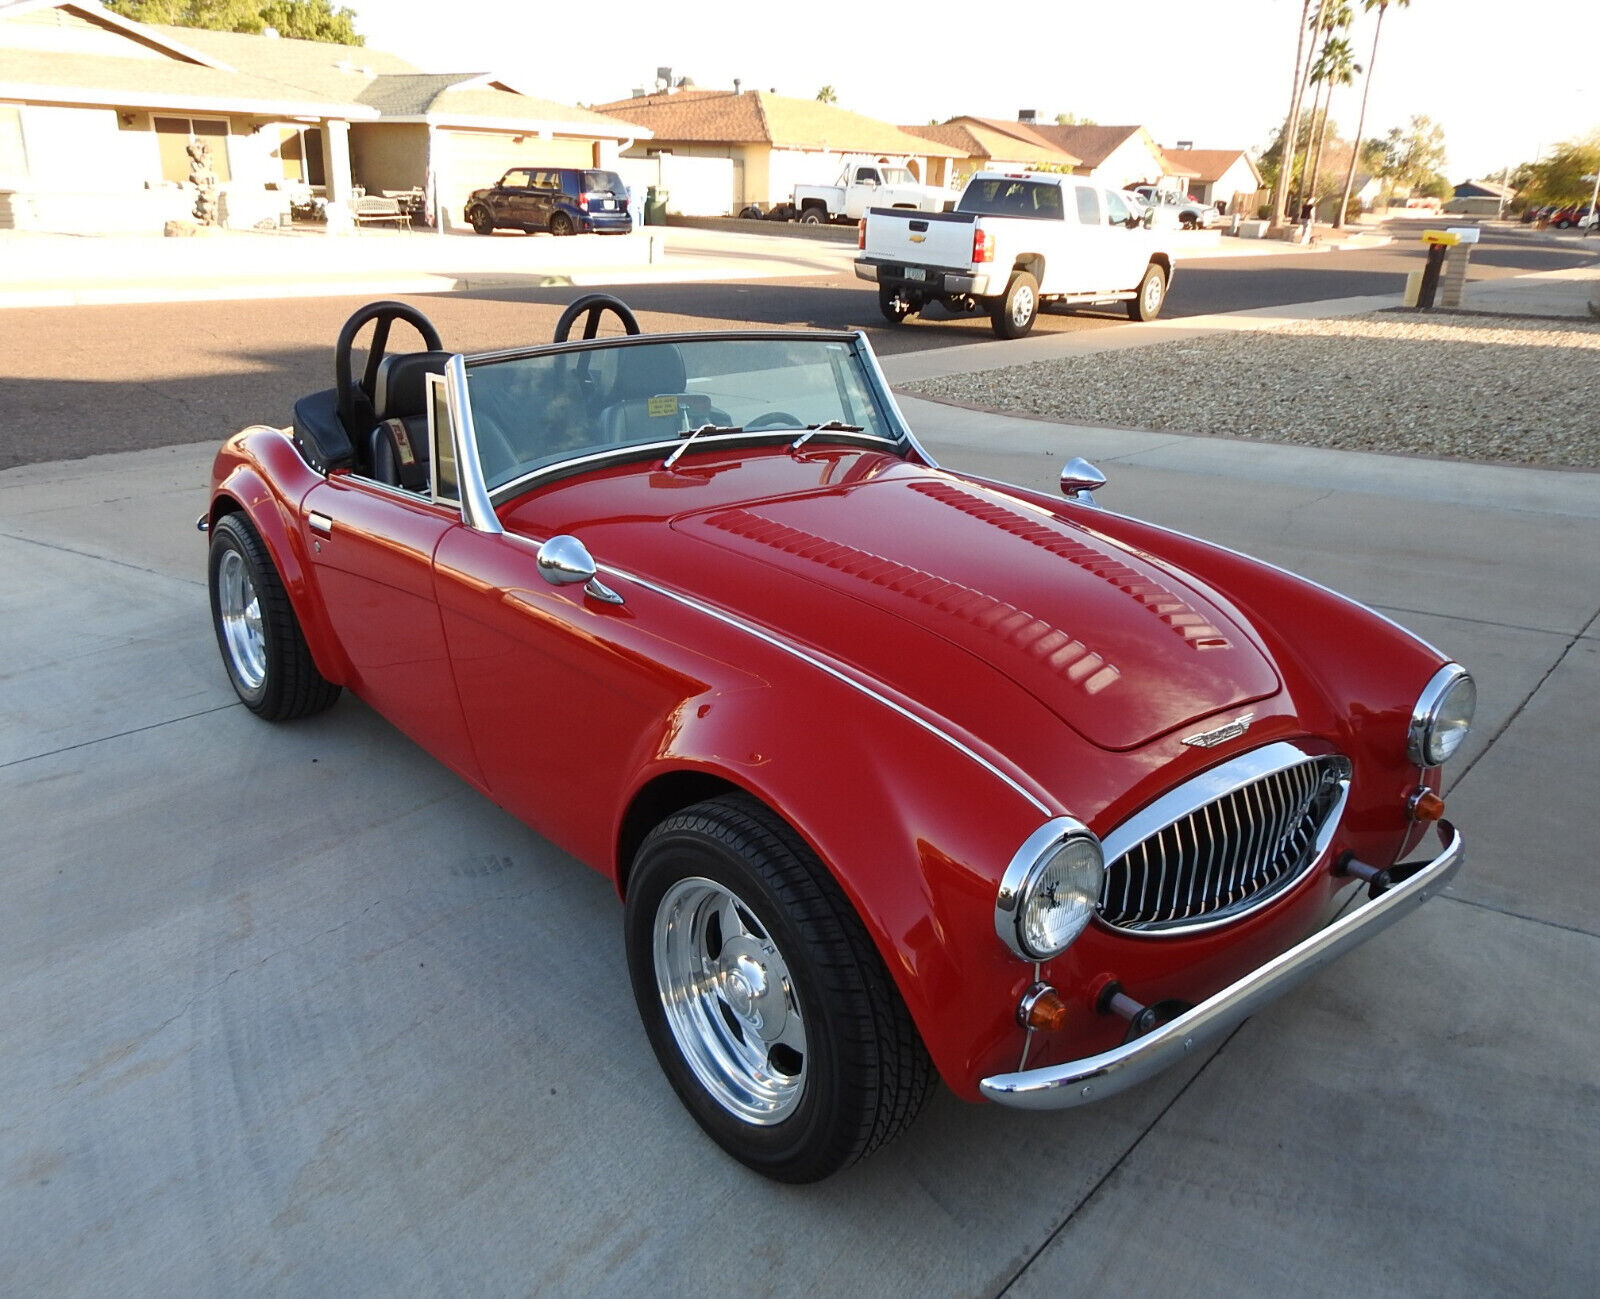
(1506, 79)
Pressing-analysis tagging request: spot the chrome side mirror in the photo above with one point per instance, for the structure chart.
(1080, 480)
(565, 560)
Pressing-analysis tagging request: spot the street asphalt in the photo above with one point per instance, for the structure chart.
(290, 1010)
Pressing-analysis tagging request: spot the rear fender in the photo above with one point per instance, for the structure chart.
(259, 473)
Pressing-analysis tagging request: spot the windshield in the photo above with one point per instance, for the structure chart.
(531, 413)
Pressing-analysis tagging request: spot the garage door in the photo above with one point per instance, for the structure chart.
(470, 160)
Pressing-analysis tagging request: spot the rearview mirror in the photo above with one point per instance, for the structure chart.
(565, 560)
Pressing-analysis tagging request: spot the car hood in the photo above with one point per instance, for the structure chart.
(1118, 645)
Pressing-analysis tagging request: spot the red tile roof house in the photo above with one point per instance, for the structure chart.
(1217, 175)
(97, 111)
(772, 142)
(989, 144)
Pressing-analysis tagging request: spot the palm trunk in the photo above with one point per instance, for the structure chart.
(1316, 95)
(1316, 166)
(1291, 126)
(1361, 125)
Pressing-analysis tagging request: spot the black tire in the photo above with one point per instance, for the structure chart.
(481, 220)
(1151, 295)
(264, 652)
(861, 1074)
(1014, 313)
(894, 307)
(561, 224)
(813, 216)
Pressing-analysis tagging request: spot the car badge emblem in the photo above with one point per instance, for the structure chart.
(919, 239)
(1210, 739)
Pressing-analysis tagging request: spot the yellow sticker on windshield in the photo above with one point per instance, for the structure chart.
(667, 405)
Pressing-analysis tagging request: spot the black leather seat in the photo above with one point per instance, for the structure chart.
(397, 447)
(636, 409)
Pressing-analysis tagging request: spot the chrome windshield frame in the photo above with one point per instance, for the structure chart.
(484, 498)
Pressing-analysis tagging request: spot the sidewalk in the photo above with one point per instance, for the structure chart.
(62, 270)
(57, 270)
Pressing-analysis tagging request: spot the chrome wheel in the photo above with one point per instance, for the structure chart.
(729, 1001)
(239, 611)
(1022, 306)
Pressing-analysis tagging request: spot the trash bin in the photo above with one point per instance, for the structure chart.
(655, 206)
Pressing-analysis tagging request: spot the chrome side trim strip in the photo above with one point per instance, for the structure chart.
(861, 687)
(1095, 1077)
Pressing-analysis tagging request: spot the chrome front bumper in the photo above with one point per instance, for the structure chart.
(1095, 1077)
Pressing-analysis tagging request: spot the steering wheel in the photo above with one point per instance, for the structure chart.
(355, 407)
(596, 304)
(774, 418)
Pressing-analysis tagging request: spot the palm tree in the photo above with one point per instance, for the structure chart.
(1291, 125)
(1382, 6)
(826, 96)
(1333, 16)
(1336, 67)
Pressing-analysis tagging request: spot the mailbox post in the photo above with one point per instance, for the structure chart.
(1438, 242)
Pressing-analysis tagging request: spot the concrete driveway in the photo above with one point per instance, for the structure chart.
(291, 1010)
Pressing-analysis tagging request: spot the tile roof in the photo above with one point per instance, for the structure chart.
(979, 137)
(255, 73)
(760, 117)
(160, 83)
(1092, 144)
(1206, 164)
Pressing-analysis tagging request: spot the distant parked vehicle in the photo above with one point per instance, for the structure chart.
(1574, 214)
(1190, 212)
(562, 200)
(864, 185)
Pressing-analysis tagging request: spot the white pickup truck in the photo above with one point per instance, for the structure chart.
(864, 185)
(1016, 240)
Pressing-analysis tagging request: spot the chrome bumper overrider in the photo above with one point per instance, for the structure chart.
(1095, 1077)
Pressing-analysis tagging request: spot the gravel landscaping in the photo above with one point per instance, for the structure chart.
(1481, 387)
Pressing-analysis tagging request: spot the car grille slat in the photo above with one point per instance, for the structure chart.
(1217, 855)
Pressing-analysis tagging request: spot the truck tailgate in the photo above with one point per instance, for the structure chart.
(920, 238)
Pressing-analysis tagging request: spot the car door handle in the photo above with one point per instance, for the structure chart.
(319, 523)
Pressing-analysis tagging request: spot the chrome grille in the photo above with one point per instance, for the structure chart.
(1225, 842)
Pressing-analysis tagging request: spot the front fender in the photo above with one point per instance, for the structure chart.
(915, 833)
(259, 472)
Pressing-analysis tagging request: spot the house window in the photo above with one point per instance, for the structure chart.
(174, 134)
(300, 149)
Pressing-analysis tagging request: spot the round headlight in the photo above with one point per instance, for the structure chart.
(1443, 716)
(1050, 890)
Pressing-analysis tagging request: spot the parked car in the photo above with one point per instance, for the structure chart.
(1016, 240)
(1188, 213)
(863, 185)
(1573, 214)
(902, 774)
(562, 200)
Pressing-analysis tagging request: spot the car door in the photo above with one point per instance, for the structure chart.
(1097, 255)
(1128, 241)
(372, 552)
(508, 196)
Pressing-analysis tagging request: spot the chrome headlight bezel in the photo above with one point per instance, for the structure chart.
(1030, 869)
(1442, 716)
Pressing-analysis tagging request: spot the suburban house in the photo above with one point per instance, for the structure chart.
(1115, 156)
(990, 144)
(97, 113)
(1216, 176)
(1480, 198)
(768, 142)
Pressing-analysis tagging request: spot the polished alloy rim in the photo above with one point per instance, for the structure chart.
(1152, 293)
(729, 1001)
(1022, 306)
(240, 611)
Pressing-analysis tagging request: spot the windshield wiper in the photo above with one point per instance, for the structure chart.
(827, 426)
(693, 433)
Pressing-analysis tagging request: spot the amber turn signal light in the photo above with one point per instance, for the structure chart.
(1426, 806)
(1043, 1009)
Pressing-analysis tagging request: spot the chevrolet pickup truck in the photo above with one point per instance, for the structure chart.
(864, 185)
(1014, 241)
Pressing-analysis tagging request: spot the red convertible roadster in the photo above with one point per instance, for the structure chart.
(901, 774)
